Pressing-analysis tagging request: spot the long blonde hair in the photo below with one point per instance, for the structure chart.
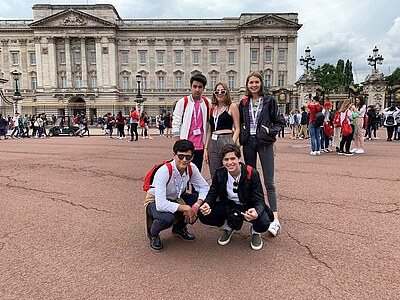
(345, 105)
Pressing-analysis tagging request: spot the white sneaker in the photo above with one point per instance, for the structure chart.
(359, 151)
(120, 138)
(313, 153)
(317, 152)
(353, 150)
(274, 227)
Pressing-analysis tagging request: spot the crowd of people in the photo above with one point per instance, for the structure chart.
(362, 120)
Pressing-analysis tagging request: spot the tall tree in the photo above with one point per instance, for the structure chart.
(394, 78)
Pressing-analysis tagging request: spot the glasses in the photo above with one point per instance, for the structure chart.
(235, 184)
(219, 92)
(182, 156)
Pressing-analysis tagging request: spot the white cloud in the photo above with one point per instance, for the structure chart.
(334, 30)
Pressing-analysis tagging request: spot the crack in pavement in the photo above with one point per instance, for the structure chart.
(341, 206)
(31, 189)
(310, 253)
(8, 236)
(79, 205)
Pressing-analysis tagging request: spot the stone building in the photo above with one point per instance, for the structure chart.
(85, 57)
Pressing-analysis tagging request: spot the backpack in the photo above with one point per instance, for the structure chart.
(390, 120)
(148, 179)
(319, 119)
(336, 120)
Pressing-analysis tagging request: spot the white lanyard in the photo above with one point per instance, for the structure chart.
(216, 116)
(197, 114)
(178, 189)
(254, 116)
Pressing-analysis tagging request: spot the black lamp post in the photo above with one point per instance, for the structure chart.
(17, 95)
(307, 60)
(139, 98)
(375, 59)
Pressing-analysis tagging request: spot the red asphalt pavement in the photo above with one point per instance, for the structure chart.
(72, 227)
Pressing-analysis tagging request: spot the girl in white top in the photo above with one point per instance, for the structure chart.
(360, 108)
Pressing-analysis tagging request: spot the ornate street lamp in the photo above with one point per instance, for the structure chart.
(17, 95)
(375, 59)
(139, 98)
(307, 60)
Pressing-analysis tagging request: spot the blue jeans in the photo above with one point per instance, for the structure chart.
(315, 137)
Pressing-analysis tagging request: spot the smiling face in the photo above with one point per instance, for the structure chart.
(183, 159)
(232, 163)
(254, 85)
(220, 93)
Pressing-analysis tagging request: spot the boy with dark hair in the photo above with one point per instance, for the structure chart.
(236, 195)
(167, 203)
(190, 116)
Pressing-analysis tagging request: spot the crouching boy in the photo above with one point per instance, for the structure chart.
(236, 195)
(167, 203)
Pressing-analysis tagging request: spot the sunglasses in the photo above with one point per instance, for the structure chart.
(219, 92)
(235, 184)
(182, 156)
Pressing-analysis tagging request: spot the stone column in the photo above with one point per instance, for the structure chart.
(243, 58)
(53, 62)
(291, 60)
(306, 85)
(99, 63)
(39, 72)
(275, 60)
(68, 67)
(84, 71)
(112, 60)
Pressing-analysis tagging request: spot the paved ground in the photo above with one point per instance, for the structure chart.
(72, 227)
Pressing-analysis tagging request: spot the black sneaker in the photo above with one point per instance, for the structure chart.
(155, 243)
(183, 234)
(340, 152)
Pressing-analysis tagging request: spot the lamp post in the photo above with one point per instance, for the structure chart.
(375, 59)
(17, 95)
(307, 60)
(139, 98)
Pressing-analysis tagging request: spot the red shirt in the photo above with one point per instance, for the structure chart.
(314, 109)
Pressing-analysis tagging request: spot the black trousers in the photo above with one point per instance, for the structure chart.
(134, 131)
(165, 220)
(219, 214)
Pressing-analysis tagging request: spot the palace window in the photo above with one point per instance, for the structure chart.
(125, 82)
(178, 81)
(124, 57)
(93, 81)
(268, 55)
(231, 57)
(143, 57)
(93, 57)
(78, 81)
(62, 58)
(281, 80)
(213, 57)
(254, 56)
(231, 82)
(77, 57)
(196, 57)
(281, 55)
(63, 81)
(160, 56)
(15, 58)
(34, 83)
(178, 57)
(161, 82)
(32, 58)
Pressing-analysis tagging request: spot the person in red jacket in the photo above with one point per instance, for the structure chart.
(315, 131)
(133, 122)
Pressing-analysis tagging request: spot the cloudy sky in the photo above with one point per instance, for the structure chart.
(334, 29)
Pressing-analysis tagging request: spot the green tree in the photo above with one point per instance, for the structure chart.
(335, 79)
(394, 78)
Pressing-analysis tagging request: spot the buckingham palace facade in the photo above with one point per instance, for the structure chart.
(75, 58)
